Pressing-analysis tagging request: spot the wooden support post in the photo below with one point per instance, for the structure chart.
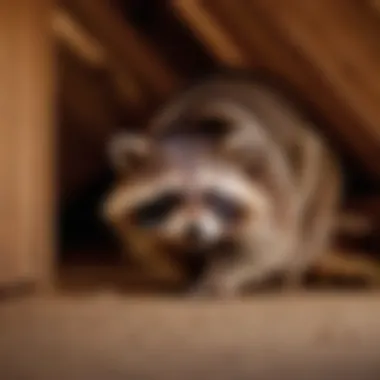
(26, 142)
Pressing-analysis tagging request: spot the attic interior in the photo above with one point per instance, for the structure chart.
(117, 62)
(114, 63)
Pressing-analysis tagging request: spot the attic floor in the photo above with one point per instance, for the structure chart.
(96, 325)
(108, 335)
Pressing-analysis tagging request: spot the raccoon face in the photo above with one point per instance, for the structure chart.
(201, 218)
(181, 198)
(191, 202)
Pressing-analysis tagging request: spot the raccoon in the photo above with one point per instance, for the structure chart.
(230, 178)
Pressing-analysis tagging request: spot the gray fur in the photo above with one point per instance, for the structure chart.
(300, 176)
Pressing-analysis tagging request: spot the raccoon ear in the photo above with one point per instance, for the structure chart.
(127, 151)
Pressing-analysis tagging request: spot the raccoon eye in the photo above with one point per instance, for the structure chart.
(225, 207)
(153, 212)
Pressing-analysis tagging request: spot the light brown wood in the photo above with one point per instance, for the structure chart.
(77, 39)
(211, 33)
(107, 336)
(327, 49)
(26, 142)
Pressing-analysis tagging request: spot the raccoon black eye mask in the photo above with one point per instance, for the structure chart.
(225, 207)
(155, 211)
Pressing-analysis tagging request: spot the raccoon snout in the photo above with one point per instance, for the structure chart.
(194, 234)
(201, 234)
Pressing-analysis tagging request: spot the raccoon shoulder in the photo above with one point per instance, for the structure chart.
(237, 100)
(258, 110)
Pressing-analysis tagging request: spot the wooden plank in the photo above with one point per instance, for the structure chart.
(73, 37)
(211, 33)
(282, 35)
(26, 142)
(77, 39)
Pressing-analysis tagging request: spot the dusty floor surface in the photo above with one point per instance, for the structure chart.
(106, 336)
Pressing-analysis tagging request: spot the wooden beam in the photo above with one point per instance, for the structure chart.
(27, 142)
(213, 35)
(73, 35)
(125, 45)
(70, 34)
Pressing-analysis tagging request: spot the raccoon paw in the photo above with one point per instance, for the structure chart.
(210, 289)
(198, 292)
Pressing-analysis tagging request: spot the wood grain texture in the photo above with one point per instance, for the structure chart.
(26, 142)
(125, 45)
(211, 33)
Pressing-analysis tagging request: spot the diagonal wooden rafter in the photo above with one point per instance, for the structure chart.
(127, 50)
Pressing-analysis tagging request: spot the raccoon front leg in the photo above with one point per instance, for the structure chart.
(309, 252)
(152, 261)
(314, 244)
(228, 280)
(317, 224)
(162, 268)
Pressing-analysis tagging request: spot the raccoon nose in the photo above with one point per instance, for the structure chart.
(194, 233)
